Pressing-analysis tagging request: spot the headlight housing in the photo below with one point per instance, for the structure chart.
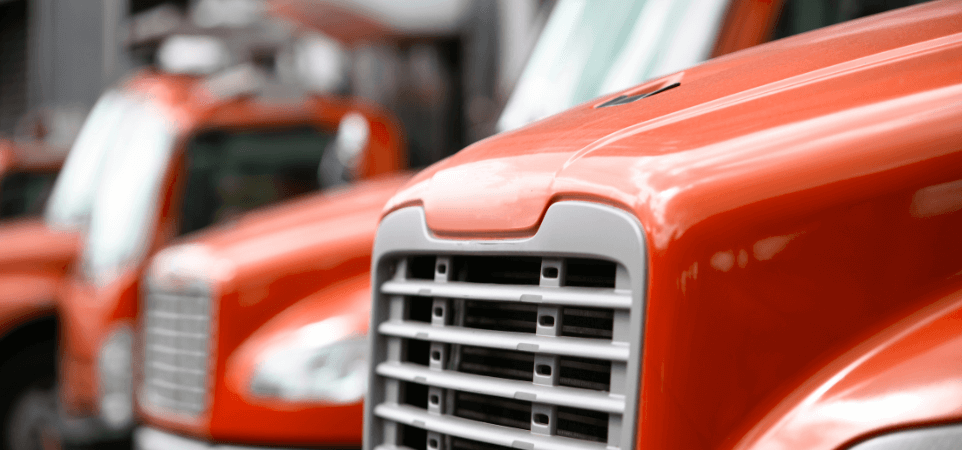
(318, 362)
(115, 376)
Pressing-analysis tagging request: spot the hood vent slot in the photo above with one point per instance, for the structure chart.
(623, 99)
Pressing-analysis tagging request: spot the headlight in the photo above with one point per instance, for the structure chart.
(316, 363)
(116, 390)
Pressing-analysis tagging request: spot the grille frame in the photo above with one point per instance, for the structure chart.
(570, 229)
(205, 293)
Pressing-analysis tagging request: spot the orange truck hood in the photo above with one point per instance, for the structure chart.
(278, 246)
(699, 138)
(795, 199)
(29, 244)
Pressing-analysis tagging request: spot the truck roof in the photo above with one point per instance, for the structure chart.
(237, 97)
(799, 113)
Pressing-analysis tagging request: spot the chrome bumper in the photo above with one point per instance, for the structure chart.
(146, 438)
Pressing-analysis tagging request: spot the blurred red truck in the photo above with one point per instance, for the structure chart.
(760, 252)
(162, 156)
(278, 307)
(195, 157)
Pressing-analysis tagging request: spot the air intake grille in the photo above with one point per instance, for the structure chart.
(533, 351)
(177, 349)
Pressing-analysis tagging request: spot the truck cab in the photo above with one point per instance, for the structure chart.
(188, 152)
(759, 252)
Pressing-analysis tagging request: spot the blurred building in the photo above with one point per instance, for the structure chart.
(56, 53)
(447, 81)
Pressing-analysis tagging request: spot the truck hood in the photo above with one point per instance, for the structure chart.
(722, 129)
(266, 262)
(29, 244)
(264, 235)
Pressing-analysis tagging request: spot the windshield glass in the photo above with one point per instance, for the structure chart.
(72, 196)
(587, 51)
(233, 171)
(124, 206)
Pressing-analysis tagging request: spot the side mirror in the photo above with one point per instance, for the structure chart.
(342, 158)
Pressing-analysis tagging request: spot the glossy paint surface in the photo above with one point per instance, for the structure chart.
(89, 314)
(906, 375)
(797, 197)
(33, 261)
(33, 258)
(280, 269)
(748, 23)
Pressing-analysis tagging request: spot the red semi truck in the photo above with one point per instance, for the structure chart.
(193, 159)
(161, 156)
(760, 252)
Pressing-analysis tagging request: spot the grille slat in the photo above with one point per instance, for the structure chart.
(479, 431)
(565, 346)
(176, 349)
(569, 296)
(561, 396)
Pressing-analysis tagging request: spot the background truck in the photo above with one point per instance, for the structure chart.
(35, 255)
(192, 152)
(277, 307)
(759, 252)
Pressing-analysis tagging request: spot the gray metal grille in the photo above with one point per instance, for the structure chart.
(177, 349)
(528, 344)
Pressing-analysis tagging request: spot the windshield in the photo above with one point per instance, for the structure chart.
(72, 196)
(587, 51)
(123, 207)
(232, 171)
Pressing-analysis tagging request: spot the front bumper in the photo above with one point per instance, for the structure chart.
(88, 430)
(146, 438)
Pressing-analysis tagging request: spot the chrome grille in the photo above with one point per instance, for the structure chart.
(177, 349)
(527, 344)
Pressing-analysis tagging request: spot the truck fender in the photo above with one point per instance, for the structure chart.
(350, 298)
(907, 375)
(26, 297)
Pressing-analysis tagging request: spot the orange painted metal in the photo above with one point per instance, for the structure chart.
(285, 267)
(798, 198)
(88, 313)
(747, 24)
(33, 258)
(30, 273)
(907, 375)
